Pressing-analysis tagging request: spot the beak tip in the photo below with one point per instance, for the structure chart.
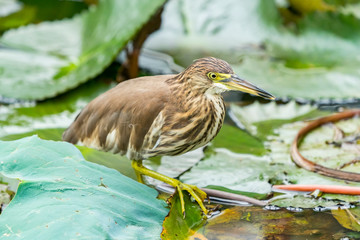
(266, 95)
(236, 83)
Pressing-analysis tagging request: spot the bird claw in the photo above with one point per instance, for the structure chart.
(195, 192)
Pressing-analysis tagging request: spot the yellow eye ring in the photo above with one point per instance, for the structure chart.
(212, 75)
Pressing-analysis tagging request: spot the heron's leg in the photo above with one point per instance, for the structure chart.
(194, 191)
(139, 176)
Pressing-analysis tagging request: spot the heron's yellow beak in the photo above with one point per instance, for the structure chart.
(234, 82)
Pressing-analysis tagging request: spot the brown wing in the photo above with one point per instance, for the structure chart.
(119, 119)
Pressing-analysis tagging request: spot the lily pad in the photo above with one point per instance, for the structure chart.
(47, 118)
(176, 226)
(277, 126)
(115, 161)
(316, 58)
(261, 119)
(120, 163)
(228, 29)
(307, 201)
(16, 13)
(238, 141)
(74, 198)
(241, 172)
(316, 146)
(8, 7)
(173, 166)
(43, 60)
(338, 82)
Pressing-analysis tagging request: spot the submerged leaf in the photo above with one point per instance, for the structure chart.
(348, 218)
(257, 223)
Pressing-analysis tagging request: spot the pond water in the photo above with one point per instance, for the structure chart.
(257, 223)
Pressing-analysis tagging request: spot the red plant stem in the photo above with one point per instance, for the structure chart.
(324, 188)
(305, 163)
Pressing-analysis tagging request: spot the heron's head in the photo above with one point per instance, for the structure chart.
(215, 75)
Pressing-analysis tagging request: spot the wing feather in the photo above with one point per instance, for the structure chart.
(119, 119)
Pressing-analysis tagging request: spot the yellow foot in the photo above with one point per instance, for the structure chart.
(194, 191)
(139, 177)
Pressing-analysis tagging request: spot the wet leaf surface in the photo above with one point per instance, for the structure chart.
(115, 161)
(74, 198)
(120, 163)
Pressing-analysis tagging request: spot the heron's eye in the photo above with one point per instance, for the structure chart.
(212, 75)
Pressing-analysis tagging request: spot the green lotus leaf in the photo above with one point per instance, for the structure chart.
(62, 196)
(43, 60)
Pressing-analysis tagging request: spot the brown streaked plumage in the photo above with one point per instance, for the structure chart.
(160, 115)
